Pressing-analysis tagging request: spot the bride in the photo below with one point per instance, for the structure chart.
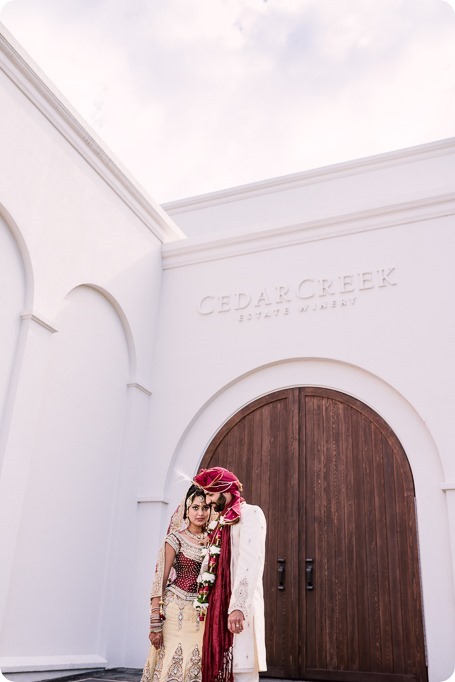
(175, 629)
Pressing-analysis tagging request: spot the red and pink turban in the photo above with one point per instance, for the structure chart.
(220, 480)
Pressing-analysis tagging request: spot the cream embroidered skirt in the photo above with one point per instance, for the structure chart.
(179, 659)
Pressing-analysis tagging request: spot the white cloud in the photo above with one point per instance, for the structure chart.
(196, 96)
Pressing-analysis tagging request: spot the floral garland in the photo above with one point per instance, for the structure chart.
(208, 576)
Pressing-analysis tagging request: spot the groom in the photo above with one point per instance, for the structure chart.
(234, 636)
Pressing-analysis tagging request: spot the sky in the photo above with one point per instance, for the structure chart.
(194, 96)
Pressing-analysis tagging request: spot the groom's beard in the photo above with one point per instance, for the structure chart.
(220, 503)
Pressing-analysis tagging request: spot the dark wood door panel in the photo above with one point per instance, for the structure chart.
(364, 615)
(260, 444)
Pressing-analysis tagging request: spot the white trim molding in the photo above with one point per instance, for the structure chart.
(26, 75)
(22, 664)
(151, 499)
(203, 249)
(301, 179)
(448, 485)
(40, 320)
(140, 387)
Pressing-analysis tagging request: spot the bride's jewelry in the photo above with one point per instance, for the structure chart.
(200, 537)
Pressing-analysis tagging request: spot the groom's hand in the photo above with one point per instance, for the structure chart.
(235, 622)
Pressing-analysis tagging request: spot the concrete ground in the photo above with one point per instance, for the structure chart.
(114, 675)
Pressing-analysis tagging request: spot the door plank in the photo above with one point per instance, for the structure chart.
(352, 626)
(393, 551)
(307, 522)
(383, 561)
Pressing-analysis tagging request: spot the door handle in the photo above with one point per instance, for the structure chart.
(281, 573)
(309, 574)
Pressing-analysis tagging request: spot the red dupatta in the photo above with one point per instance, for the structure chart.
(218, 641)
(217, 663)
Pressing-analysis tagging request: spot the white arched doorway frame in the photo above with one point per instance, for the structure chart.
(25, 257)
(420, 448)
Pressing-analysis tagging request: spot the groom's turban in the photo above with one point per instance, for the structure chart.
(218, 480)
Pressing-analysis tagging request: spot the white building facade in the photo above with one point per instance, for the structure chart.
(136, 338)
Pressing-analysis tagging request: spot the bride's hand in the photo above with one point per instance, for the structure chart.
(156, 639)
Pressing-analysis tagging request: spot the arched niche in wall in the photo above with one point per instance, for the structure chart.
(15, 295)
(62, 559)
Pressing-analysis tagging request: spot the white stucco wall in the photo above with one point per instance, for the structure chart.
(81, 276)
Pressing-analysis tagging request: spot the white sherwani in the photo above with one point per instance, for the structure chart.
(247, 567)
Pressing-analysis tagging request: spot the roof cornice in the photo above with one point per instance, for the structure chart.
(199, 249)
(309, 177)
(26, 75)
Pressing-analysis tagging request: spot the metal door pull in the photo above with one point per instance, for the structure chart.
(309, 574)
(281, 573)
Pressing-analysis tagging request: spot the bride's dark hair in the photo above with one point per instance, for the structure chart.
(193, 492)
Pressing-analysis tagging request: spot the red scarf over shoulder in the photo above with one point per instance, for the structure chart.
(218, 641)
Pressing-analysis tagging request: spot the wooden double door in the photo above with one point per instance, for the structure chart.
(342, 582)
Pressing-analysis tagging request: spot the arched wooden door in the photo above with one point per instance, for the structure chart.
(342, 580)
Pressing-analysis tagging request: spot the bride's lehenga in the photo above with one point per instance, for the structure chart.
(179, 659)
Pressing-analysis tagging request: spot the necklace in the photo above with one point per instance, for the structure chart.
(200, 537)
